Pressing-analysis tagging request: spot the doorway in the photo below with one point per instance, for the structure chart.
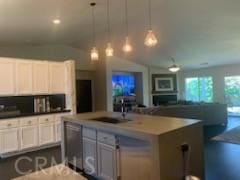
(84, 96)
(232, 94)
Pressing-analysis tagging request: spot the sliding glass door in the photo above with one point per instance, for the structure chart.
(199, 89)
(232, 94)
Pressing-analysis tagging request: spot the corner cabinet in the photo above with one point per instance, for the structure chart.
(57, 80)
(7, 77)
(24, 77)
(40, 77)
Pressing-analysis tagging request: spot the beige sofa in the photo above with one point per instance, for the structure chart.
(209, 113)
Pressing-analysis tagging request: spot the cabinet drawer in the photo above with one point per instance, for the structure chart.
(12, 123)
(89, 133)
(46, 119)
(28, 121)
(106, 138)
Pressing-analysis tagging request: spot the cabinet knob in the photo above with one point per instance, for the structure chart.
(9, 124)
(47, 120)
(29, 122)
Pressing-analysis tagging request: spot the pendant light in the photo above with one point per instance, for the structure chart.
(127, 46)
(109, 50)
(94, 51)
(150, 39)
(174, 67)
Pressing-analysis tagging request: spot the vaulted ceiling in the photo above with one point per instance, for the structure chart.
(197, 33)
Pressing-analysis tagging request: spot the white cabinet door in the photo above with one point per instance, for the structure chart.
(46, 133)
(24, 76)
(9, 140)
(107, 163)
(40, 77)
(7, 77)
(90, 156)
(29, 137)
(57, 72)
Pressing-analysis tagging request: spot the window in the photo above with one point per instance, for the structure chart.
(232, 94)
(199, 89)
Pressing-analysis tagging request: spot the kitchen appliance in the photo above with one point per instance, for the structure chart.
(133, 154)
(73, 146)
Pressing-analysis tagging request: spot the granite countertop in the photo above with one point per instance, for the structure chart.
(33, 114)
(151, 125)
(58, 172)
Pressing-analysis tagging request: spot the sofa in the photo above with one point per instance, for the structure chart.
(209, 113)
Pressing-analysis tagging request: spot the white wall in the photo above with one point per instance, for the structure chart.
(119, 64)
(49, 52)
(217, 73)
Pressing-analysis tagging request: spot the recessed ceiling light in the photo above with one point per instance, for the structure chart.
(56, 21)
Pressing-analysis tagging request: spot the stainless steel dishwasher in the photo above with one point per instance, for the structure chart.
(133, 156)
(73, 145)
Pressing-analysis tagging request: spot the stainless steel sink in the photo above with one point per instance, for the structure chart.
(110, 120)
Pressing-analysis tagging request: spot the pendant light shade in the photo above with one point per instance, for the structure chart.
(126, 46)
(94, 51)
(174, 67)
(94, 54)
(150, 39)
(109, 50)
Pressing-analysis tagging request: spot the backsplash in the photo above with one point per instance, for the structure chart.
(25, 104)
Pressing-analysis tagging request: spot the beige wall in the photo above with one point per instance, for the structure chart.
(217, 73)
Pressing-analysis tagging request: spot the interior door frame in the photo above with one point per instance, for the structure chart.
(92, 91)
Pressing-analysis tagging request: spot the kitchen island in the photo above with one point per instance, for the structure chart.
(140, 147)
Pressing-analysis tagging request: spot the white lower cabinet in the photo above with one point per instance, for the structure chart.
(107, 162)
(9, 140)
(29, 136)
(46, 133)
(90, 156)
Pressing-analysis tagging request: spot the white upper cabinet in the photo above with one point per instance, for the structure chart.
(57, 72)
(7, 77)
(24, 74)
(40, 77)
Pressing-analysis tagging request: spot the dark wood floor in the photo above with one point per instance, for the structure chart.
(222, 160)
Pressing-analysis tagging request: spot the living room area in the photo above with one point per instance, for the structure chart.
(211, 94)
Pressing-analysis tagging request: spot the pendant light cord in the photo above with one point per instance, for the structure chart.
(108, 21)
(150, 14)
(126, 16)
(93, 23)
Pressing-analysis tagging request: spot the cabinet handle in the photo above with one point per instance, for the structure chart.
(118, 162)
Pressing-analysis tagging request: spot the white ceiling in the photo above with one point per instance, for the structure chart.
(192, 31)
